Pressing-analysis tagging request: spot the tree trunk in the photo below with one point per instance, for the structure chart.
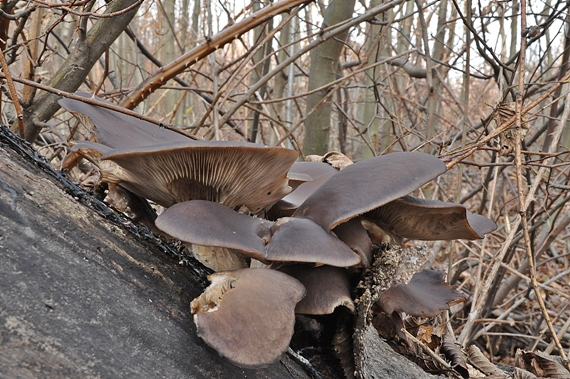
(373, 113)
(324, 61)
(167, 53)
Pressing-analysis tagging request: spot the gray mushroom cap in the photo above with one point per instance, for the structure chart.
(248, 315)
(355, 236)
(367, 185)
(426, 295)
(207, 223)
(118, 130)
(414, 218)
(233, 173)
(301, 240)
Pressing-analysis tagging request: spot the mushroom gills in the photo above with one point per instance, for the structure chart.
(233, 173)
(414, 218)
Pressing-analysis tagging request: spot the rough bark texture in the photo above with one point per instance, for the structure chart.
(373, 357)
(81, 297)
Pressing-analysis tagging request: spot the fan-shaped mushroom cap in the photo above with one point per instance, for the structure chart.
(367, 185)
(118, 130)
(207, 223)
(232, 173)
(353, 234)
(414, 218)
(248, 315)
(301, 240)
(327, 288)
(426, 295)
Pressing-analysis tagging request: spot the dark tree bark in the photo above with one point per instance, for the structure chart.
(82, 297)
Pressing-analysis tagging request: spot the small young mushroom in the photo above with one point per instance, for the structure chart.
(248, 315)
(414, 218)
(327, 288)
(233, 173)
(367, 185)
(318, 171)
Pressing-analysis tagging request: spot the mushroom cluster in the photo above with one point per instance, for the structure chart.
(284, 236)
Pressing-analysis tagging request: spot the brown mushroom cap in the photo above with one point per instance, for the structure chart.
(301, 240)
(118, 130)
(426, 295)
(248, 315)
(421, 219)
(327, 288)
(367, 185)
(207, 223)
(233, 173)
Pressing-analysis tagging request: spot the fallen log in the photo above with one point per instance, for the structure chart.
(81, 296)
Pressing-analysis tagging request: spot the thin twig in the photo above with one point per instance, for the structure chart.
(13, 94)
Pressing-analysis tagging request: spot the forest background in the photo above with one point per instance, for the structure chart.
(482, 85)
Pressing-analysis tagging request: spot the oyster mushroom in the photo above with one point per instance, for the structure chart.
(168, 167)
(319, 172)
(118, 130)
(301, 240)
(426, 295)
(428, 220)
(248, 315)
(233, 173)
(355, 236)
(287, 240)
(212, 224)
(367, 185)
